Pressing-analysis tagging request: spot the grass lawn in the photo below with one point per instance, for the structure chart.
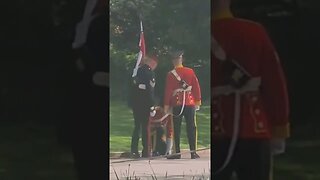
(121, 127)
(300, 162)
(29, 151)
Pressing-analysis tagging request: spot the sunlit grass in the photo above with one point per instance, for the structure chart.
(121, 127)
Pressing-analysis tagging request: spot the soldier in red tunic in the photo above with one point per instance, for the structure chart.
(250, 100)
(183, 98)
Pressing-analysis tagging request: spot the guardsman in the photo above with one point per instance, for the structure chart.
(143, 103)
(87, 126)
(250, 101)
(182, 99)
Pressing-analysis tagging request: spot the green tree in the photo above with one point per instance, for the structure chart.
(168, 25)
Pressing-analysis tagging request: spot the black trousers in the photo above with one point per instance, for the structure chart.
(251, 159)
(89, 134)
(189, 115)
(141, 115)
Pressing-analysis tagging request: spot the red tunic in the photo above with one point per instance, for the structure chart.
(263, 113)
(193, 97)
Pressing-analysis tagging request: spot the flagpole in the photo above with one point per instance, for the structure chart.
(142, 50)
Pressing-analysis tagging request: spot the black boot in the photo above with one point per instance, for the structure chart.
(145, 154)
(174, 156)
(155, 154)
(134, 155)
(194, 155)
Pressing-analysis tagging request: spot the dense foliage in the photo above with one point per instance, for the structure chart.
(168, 25)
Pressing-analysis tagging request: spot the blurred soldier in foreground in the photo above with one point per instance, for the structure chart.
(182, 99)
(90, 96)
(143, 104)
(250, 101)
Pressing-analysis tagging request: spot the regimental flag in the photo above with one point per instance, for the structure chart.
(142, 51)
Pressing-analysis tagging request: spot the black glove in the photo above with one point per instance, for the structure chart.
(184, 84)
(235, 75)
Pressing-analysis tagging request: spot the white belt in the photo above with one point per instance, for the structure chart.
(175, 92)
(252, 85)
(184, 97)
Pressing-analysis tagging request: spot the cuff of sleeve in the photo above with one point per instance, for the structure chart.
(198, 103)
(281, 131)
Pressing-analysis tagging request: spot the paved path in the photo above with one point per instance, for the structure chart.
(184, 168)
